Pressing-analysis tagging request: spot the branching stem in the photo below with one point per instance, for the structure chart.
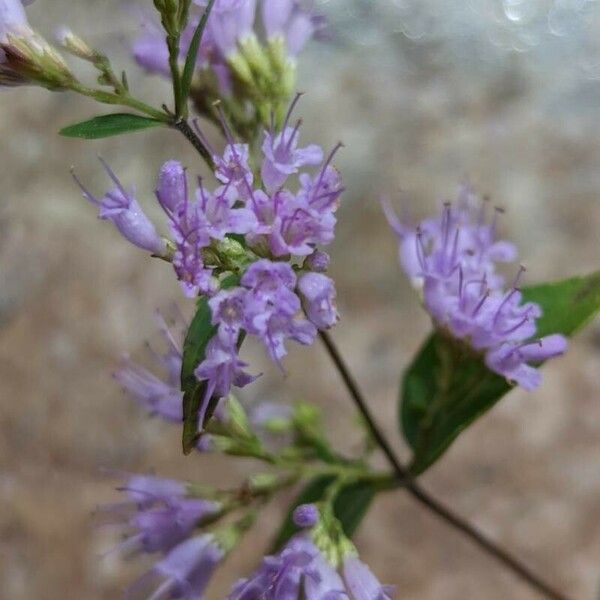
(417, 492)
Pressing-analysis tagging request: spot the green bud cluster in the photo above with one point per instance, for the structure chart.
(264, 79)
(29, 59)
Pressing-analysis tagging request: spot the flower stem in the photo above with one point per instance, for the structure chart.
(417, 492)
(184, 127)
(122, 99)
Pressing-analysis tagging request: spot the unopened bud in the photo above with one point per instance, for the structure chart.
(29, 59)
(75, 45)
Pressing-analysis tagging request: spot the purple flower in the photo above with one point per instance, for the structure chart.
(452, 260)
(186, 570)
(228, 312)
(511, 359)
(306, 515)
(159, 515)
(273, 307)
(188, 228)
(300, 570)
(172, 188)
(361, 583)
(121, 207)
(12, 18)
(229, 23)
(233, 169)
(318, 261)
(216, 211)
(221, 368)
(150, 48)
(279, 576)
(157, 396)
(282, 157)
(161, 397)
(286, 19)
(319, 295)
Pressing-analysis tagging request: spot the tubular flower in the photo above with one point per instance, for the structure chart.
(122, 208)
(158, 514)
(161, 397)
(288, 21)
(301, 570)
(186, 570)
(452, 260)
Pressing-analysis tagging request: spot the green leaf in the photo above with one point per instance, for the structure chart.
(448, 386)
(194, 347)
(350, 506)
(568, 305)
(192, 55)
(109, 125)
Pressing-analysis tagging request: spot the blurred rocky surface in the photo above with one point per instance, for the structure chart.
(423, 94)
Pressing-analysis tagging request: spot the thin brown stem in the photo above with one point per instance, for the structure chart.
(417, 492)
(183, 126)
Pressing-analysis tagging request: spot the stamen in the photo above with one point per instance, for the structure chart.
(522, 270)
(519, 324)
(421, 250)
(481, 303)
(503, 304)
(293, 135)
(327, 163)
(86, 193)
(224, 125)
(291, 110)
(112, 175)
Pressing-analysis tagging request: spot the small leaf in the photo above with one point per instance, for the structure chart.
(448, 386)
(194, 347)
(192, 55)
(109, 125)
(350, 506)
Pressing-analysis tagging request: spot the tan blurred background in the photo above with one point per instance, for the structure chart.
(422, 94)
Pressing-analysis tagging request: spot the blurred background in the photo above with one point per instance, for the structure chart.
(423, 93)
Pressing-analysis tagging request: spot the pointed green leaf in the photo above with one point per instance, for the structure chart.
(109, 125)
(350, 506)
(192, 55)
(194, 347)
(448, 386)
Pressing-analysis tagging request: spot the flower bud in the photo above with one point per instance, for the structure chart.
(27, 58)
(75, 45)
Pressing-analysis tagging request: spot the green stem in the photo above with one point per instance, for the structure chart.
(173, 44)
(119, 100)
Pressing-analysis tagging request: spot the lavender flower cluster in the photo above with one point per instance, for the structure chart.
(161, 396)
(452, 260)
(161, 516)
(307, 567)
(252, 231)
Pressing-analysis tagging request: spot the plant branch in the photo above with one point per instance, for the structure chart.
(415, 490)
(184, 127)
(122, 99)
